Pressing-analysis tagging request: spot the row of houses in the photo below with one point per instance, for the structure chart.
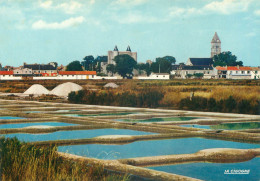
(74, 75)
(203, 68)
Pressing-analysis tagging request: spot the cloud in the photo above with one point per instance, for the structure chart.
(71, 22)
(251, 34)
(180, 12)
(257, 12)
(68, 7)
(134, 17)
(227, 6)
(46, 4)
(129, 3)
(224, 7)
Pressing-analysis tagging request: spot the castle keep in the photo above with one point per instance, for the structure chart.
(115, 52)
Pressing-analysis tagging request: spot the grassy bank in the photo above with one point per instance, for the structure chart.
(173, 94)
(21, 161)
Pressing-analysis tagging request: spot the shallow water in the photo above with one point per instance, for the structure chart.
(10, 117)
(158, 119)
(23, 125)
(151, 148)
(75, 134)
(227, 126)
(215, 171)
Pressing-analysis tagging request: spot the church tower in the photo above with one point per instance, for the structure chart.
(215, 45)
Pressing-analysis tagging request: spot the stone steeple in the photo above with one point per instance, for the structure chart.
(116, 49)
(128, 49)
(215, 45)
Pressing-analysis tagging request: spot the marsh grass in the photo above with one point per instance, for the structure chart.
(21, 161)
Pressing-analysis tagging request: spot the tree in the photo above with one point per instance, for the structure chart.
(170, 59)
(148, 69)
(74, 66)
(161, 65)
(226, 59)
(124, 65)
(88, 62)
(111, 68)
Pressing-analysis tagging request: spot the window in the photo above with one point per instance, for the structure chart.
(242, 72)
(157, 76)
(164, 76)
(92, 76)
(248, 72)
(236, 72)
(256, 72)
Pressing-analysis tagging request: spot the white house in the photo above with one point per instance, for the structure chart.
(155, 76)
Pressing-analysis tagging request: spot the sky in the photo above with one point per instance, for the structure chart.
(42, 31)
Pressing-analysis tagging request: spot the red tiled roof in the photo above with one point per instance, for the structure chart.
(245, 68)
(221, 68)
(77, 72)
(232, 68)
(6, 72)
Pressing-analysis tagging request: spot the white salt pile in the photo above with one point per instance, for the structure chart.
(37, 89)
(111, 85)
(65, 88)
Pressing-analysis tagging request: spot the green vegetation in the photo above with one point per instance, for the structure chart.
(74, 66)
(226, 59)
(22, 161)
(143, 98)
(111, 68)
(227, 105)
(125, 65)
(163, 64)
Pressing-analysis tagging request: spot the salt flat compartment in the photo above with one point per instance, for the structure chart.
(227, 126)
(151, 148)
(166, 119)
(101, 114)
(75, 134)
(23, 125)
(10, 117)
(215, 171)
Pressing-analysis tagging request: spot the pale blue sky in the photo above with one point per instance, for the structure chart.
(41, 31)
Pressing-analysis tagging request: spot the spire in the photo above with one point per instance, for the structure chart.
(215, 38)
(115, 49)
(128, 49)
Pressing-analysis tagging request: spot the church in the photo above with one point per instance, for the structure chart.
(199, 66)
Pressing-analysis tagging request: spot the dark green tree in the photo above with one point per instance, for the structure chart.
(88, 62)
(226, 58)
(170, 59)
(111, 68)
(161, 65)
(148, 69)
(125, 65)
(74, 66)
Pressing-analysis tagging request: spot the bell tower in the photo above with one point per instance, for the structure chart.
(215, 45)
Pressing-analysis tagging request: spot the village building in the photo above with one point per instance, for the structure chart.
(115, 52)
(194, 68)
(24, 72)
(8, 75)
(255, 73)
(155, 76)
(49, 69)
(77, 75)
(215, 45)
(234, 72)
